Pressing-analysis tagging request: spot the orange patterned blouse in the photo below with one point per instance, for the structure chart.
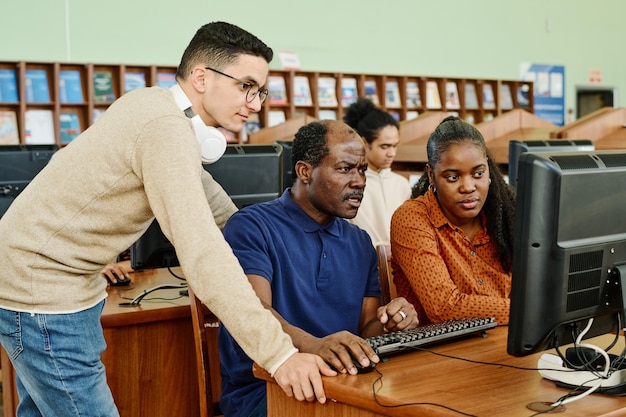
(438, 269)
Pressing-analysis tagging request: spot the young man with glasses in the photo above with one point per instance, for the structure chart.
(140, 160)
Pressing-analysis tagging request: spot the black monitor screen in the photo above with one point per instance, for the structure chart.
(570, 241)
(517, 147)
(18, 166)
(248, 173)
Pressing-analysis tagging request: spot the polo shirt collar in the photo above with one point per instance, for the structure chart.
(304, 220)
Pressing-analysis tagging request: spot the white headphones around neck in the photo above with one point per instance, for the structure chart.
(212, 142)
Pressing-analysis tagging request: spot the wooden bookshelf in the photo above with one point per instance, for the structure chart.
(410, 101)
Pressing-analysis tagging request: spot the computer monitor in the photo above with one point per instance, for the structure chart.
(287, 163)
(518, 147)
(569, 248)
(18, 166)
(248, 173)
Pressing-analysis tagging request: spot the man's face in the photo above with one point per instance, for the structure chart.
(336, 185)
(224, 100)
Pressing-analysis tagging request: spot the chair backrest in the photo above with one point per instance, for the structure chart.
(205, 328)
(388, 288)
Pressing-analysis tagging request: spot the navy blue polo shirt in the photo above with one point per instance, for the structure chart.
(319, 277)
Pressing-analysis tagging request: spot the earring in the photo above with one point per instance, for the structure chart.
(489, 180)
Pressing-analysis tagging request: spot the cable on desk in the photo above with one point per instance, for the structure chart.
(137, 300)
(380, 380)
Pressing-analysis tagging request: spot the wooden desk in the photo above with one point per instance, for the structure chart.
(423, 377)
(150, 356)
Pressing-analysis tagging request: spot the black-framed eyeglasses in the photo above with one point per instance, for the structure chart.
(252, 89)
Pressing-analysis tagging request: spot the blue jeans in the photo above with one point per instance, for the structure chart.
(57, 363)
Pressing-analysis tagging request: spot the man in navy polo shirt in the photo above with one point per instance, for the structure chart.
(314, 270)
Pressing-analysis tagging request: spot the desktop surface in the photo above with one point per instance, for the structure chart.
(424, 379)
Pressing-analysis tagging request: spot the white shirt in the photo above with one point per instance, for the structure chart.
(385, 191)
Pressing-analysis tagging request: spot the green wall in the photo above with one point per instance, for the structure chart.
(455, 38)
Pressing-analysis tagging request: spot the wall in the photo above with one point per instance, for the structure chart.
(456, 38)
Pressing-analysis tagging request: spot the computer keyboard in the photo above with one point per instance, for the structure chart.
(428, 334)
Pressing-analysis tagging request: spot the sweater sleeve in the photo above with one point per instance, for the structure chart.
(168, 162)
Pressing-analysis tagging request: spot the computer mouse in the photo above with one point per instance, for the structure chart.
(360, 368)
(120, 281)
(363, 369)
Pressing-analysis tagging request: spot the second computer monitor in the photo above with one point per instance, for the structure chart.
(518, 147)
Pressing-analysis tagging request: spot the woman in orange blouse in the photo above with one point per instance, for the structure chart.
(452, 243)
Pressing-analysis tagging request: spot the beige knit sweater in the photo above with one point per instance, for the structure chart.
(99, 194)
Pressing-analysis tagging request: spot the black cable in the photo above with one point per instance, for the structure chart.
(174, 274)
(377, 400)
(137, 300)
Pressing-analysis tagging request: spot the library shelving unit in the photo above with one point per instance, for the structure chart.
(297, 93)
(53, 101)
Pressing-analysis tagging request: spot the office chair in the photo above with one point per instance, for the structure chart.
(205, 328)
(387, 287)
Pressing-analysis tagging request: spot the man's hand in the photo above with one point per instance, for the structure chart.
(299, 376)
(119, 269)
(399, 314)
(339, 349)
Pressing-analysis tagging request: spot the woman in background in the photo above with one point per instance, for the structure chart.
(385, 190)
(452, 244)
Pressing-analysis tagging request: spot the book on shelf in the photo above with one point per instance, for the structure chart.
(326, 92)
(277, 89)
(166, 79)
(489, 101)
(471, 99)
(412, 114)
(97, 113)
(103, 87)
(487, 117)
(371, 91)
(70, 87)
(395, 115)
(8, 86)
(134, 80)
(275, 117)
(413, 98)
(523, 99)
(470, 118)
(39, 127)
(392, 94)
(506, 99)
(70, 126)
(433, 101)
(252, 125)
(452, 96)
(302, 91)
(8, 128)
(37, 88)
(327, 115)
(348, 91)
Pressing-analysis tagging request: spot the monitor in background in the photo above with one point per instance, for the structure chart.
(569, 250)
(287, 163)
(152, 250)
(517, 147)
(18, 166)
(248, 173)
